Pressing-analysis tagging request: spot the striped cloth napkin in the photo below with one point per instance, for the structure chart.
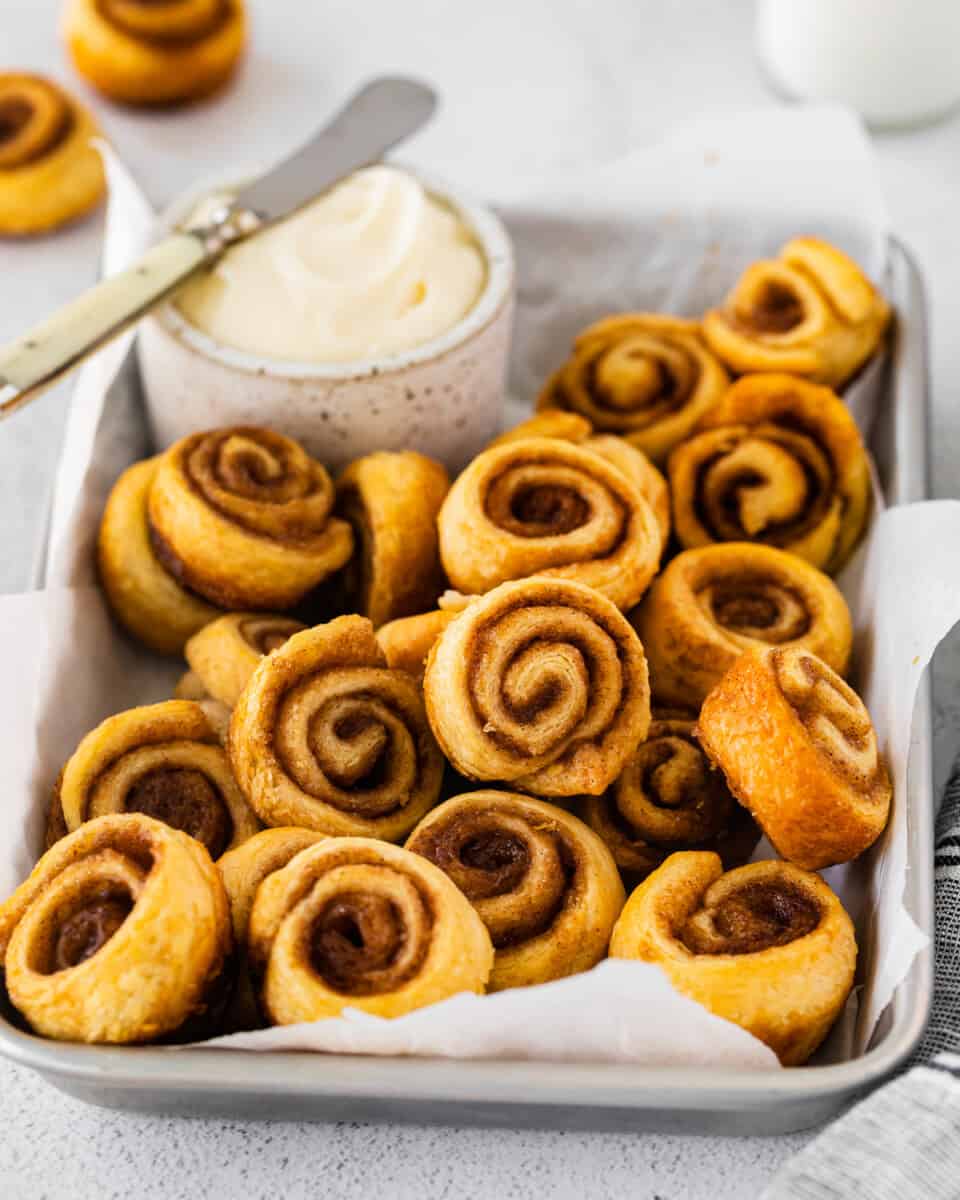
(904, 1140)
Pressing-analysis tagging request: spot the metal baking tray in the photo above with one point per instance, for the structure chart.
(571, 1095)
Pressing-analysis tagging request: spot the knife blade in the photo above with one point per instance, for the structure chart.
(377, 118)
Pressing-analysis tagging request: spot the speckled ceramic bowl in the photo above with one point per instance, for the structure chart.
(445, 397)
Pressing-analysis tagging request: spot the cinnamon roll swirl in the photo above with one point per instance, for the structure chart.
(767, 946)
(542, 506)
(360, 923)
(777, 460)
(49, 171)
(241, 516)
(798, 749)
(711, 604)
(119, 934)
(391, 500)
(569, 427)
(544, 885)
(242, 871)
(810, 312)
(163, 760)
(541, 683)
(645, 377)
(155, 51)
(225, 653)
(326, 737)
(669, 798)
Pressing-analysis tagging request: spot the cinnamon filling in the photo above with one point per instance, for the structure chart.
(489, 863)
(547, 510)
(640, 380)
(775, 309)
(35, 119)
(492, 865)
(756, 917)
(668, 797)
(89, 928)
(267, 636)
(14, 115)
(770, 484)
(184, 799)
(355, 944)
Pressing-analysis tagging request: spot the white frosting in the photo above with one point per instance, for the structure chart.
(377, 266)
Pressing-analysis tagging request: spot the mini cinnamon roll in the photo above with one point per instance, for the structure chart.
(360, 923)
(798, 749)
(779, 461)
(669, 798)
(391, 500)
(569, 427)
(711, 604)
(241, 516)
(163, 760)
(242, 871)
(544, 885)
(767, 946)
(155, 51)
(49, 171)
(542, 506)
(120, 933)
(541, 683)
(326, 737)
(145, 599)
(810, 312)
(225, 653)
(645, 377)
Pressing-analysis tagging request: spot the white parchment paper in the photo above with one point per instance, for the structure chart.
(668, 228)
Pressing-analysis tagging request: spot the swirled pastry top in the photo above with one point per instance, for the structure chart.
(375, 266)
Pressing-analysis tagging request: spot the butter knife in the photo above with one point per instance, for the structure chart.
(374, 120)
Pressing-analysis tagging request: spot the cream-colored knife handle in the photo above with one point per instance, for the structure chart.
(48, 351)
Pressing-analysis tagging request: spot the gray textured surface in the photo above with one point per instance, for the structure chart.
(547, 83)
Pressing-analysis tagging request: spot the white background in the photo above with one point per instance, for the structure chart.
(528, 85)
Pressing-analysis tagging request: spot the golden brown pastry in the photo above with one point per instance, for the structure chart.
(542, 506)
(798, 749)
(640, 470)
(241, 516)
(407, 641)
(777, 460)
(360, 923)
(155, 51)
(544, 885)
(810, 312)
(646, 377)
(242, 871)
(391, 501)
(552, 422)
(146, 600)
(767, 946)
(163, 760)
(670, 798)
(120, 933)
(541, 683)
(49, 171)
(225, 653)
(711, 604)
(326, 737)
(569, 427)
